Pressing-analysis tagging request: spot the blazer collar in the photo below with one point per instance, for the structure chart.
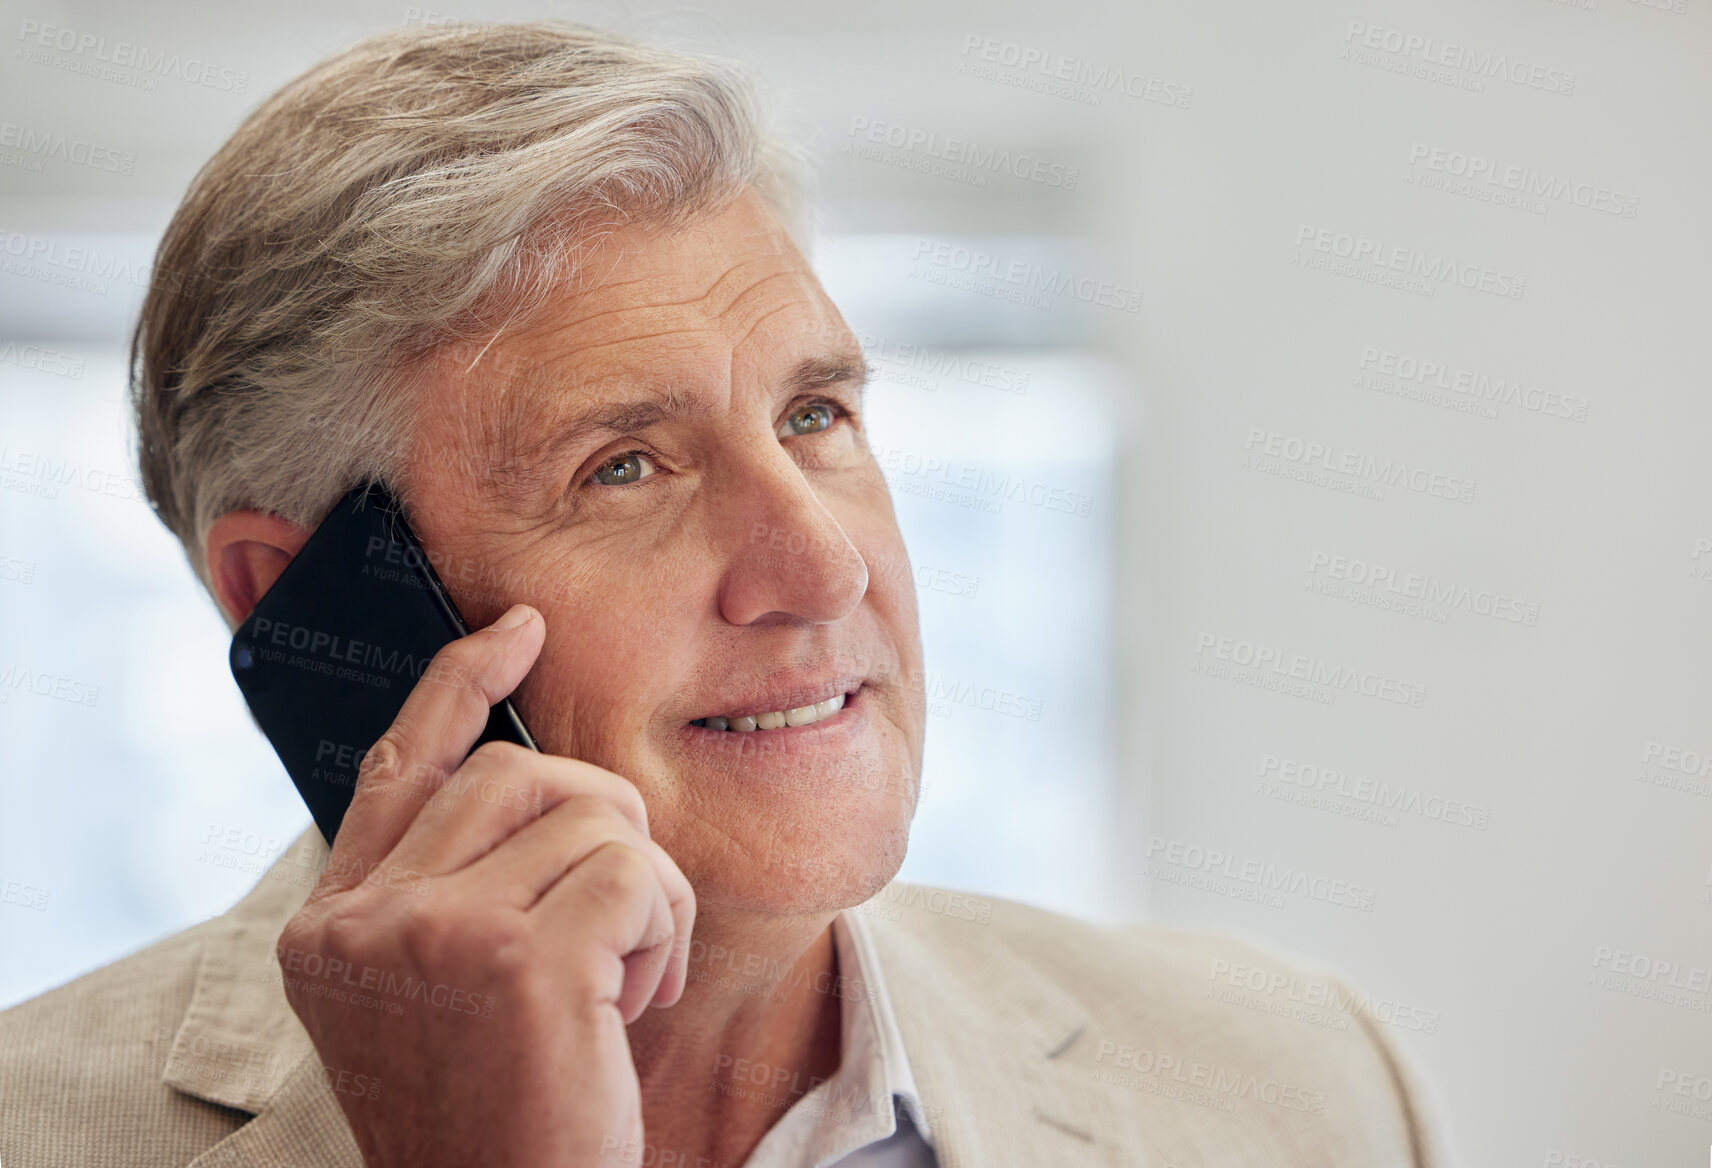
(239, 1042)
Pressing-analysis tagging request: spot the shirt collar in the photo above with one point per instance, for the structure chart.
(855, 1107)
(850, 933)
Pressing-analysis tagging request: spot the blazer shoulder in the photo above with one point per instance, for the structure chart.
(1204, 1014)
(1105, 964)
(81, 1065)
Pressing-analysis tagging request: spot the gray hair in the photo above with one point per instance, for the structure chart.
(424, 186)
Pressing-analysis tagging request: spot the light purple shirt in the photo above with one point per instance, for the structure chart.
(869, 1113)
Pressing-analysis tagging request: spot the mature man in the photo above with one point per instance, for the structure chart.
(546, 285)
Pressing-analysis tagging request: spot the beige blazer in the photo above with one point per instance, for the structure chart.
(1036, 1040)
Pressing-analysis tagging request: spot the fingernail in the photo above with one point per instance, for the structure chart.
(516, 615)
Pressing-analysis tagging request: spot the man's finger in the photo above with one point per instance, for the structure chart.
(433, 733)
(498, 790)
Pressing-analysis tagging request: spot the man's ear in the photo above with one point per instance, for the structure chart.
(246, 552)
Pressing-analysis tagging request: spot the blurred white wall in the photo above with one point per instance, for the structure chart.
(1396, 582)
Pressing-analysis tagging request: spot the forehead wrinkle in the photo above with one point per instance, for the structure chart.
(693, 322)
(706, 294)
(755, 324)
(749, 332)
(630, 338)
(562, 366)
(691, 328)
(736, 301)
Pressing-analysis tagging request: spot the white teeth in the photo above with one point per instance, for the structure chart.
(775, 719)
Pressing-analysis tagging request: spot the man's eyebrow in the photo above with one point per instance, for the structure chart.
(829, 370)
(538, 438)
(622, 415)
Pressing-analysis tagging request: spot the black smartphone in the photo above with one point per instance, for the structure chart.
(328, 655)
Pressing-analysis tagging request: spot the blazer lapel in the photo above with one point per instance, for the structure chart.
(999, 1052)
(240, 1045)
(300, 1124)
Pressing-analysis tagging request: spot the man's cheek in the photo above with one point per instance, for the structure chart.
(609, 667)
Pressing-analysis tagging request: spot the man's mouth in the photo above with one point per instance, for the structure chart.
(804, 715)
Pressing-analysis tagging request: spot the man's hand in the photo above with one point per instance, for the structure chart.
(484, 931)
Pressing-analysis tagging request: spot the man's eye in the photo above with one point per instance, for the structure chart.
(809, 419)
(625, 468)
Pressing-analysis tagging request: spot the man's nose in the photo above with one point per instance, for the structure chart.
(791, 555)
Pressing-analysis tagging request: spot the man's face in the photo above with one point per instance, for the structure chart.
(671, 465)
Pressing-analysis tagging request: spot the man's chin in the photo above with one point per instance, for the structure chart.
(805, 879)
